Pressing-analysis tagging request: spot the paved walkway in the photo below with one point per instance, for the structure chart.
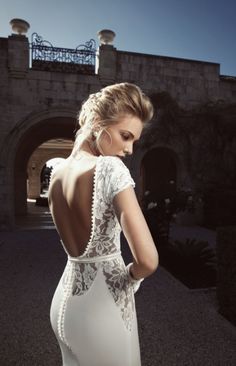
(177, 326)
(38, 217)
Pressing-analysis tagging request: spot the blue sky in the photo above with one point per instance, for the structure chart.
(200, 30)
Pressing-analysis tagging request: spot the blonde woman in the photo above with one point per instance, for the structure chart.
(91, 198)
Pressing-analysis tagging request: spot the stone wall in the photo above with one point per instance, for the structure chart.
(189, 82)
(37, 105)
(31, 101)
(228, 88)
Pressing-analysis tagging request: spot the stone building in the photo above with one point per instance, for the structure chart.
(190, 141)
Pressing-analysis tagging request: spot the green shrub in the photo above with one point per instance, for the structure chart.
(219, 208)
(191, 261)
(226, 280)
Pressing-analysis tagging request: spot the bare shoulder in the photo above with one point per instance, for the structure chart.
(57, 170)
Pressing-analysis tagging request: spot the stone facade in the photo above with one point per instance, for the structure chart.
(39, 105)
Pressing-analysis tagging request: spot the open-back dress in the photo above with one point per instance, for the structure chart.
(93, 309)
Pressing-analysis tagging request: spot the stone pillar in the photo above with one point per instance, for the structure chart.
(18, 49)
(6, 198)
(106, 57)
(18, 56)
(34, 186)
(20, 193)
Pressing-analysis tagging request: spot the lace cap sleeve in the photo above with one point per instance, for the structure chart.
(117, 177)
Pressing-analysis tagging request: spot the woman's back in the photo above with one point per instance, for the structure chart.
(70, 200)
(95, 293)
(93, 309)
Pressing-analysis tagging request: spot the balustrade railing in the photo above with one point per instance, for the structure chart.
(48, 58)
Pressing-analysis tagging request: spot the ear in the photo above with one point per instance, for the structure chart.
(96, 126)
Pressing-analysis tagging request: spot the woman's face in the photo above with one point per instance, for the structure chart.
(120, 137)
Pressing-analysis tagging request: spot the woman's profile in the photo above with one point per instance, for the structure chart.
(91, 198)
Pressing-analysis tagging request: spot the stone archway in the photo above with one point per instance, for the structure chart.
(48, 150)
(159, 172)
(16, 149)
(52, 128)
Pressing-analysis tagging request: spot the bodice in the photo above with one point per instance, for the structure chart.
(103, 249)
(110, 177)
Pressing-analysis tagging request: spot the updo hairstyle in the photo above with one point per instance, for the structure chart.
(108, 106)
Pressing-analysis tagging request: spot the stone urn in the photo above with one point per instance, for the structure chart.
(106, 36)
(19, 26)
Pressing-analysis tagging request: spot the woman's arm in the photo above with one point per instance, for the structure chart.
(136, 231)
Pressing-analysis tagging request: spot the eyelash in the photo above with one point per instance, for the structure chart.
(125, 137)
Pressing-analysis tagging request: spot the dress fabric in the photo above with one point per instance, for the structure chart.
(93, 311)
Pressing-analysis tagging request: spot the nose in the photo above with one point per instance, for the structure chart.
(129, 149)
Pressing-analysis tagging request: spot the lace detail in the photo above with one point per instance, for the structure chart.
(110, 177)
(118, 283)
(92, 210)
(120, 177)
(80, 277)
(84, 275)
(135, 283)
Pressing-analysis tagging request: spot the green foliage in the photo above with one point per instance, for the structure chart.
(161, 208)
(193, 254)
(204, 139)
(220, 206)
(226, 280)
(164, 101)
(192, 261)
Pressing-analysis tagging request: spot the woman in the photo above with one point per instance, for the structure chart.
(91, 198)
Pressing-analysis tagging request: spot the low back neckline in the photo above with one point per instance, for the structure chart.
(92, 225)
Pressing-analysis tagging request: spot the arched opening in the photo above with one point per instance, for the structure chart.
(45, 130)
(38, 169)
(47, 169)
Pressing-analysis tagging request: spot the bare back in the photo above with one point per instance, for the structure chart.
(70, 201)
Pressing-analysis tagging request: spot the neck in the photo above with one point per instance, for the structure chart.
(92, 148)
(87, 148)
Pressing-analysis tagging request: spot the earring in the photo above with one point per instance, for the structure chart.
(95, 134)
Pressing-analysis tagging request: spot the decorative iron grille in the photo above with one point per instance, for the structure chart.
(48, 58)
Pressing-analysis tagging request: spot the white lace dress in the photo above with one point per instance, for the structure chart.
(93, 309)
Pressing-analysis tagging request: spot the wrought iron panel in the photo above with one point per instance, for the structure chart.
(48, 58)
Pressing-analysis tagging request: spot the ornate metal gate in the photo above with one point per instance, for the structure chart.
(48, 58)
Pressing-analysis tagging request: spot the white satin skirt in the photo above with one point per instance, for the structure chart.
(90, 327)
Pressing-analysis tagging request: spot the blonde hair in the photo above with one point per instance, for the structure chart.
(106, 107)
